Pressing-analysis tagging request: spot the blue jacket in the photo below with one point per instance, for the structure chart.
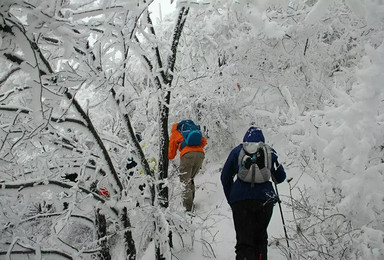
(239, 190)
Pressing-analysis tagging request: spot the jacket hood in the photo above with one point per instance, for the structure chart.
(254, 134)
(174, 127)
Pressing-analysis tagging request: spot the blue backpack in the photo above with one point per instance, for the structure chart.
(191, 133)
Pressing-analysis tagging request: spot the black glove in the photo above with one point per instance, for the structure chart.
(247, 162)
(260, 160)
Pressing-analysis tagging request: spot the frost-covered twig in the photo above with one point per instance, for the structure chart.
(6, 77)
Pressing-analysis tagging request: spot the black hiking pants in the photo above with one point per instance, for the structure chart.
(251, 219)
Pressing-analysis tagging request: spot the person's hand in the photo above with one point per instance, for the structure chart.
(260, 159)
(247, 162)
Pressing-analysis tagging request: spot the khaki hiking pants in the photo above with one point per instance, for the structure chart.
(190, 165)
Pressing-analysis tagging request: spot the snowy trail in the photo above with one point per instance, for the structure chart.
(215, 237)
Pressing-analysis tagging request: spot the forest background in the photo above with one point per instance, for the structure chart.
(88, 89)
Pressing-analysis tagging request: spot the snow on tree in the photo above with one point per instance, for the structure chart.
(81, 84)
(68, 95)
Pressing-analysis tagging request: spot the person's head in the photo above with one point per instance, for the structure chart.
(254, 134)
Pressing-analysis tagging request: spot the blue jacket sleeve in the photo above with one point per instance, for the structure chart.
(229, 170)
(278, 172)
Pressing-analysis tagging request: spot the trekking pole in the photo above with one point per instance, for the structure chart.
(282, 217)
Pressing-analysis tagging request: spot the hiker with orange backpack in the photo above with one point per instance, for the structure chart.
(187, 138)
(251, 196)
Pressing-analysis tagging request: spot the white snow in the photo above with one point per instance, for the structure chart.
(330, 142)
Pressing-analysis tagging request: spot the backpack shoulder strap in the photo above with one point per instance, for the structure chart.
(240, 158)
(267, 155)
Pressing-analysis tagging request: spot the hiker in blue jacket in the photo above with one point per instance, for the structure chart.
(251, 203)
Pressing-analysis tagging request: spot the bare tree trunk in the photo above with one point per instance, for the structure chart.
(130, 243)
(101, 224)
(163, 156)
(164, 110)
(163, 121)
